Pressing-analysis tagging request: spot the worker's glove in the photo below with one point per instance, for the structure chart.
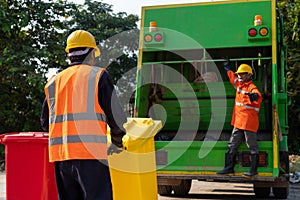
(226, 64)
(114, 149)
(116, 145)
(253, 96)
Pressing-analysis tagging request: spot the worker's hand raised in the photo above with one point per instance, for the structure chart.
(226, 64)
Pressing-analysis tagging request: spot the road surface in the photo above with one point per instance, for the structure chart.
(2, 186)
(203, 190)
(216, 190)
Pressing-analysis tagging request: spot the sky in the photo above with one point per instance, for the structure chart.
(134, 6)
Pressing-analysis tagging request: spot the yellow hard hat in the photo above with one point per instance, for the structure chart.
(81, 38)
(244, 68)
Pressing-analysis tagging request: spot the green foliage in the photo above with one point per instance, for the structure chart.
(116, 34)
(32, 40)
(291, 14)
(28, 48)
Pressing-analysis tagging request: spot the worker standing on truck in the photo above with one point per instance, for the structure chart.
(244, 118)
(80, 102)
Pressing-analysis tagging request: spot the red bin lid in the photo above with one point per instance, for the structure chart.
(24, 137)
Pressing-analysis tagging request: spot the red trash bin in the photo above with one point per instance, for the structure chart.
(29, 174)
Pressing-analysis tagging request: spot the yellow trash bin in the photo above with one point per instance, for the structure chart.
(133, 172)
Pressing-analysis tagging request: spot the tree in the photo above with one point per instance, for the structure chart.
(290, 10)
(117, 36)
(32, 40)
(29, 45)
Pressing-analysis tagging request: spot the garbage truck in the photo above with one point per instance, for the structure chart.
(180, 80)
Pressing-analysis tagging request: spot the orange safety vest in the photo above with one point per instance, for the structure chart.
(77, 123)
(245, 112)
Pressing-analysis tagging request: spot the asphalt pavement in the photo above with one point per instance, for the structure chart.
(201, 190)
(2, 186)
(227, 190)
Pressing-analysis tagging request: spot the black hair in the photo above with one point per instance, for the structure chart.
(79, 58)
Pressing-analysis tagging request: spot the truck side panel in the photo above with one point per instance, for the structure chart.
(211, 25)
(181, 81)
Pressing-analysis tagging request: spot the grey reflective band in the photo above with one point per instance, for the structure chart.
(91, 90)
(77, 139)
(241, 91)
(238, 89)
(51, 91)
(246, 106)
(77, 117)
(88, 115)
(235, 80)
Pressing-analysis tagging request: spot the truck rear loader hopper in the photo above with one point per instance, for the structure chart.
(181, 81)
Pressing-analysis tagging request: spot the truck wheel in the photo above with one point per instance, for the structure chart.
(281, 193)
(164, 190)
(183, 188)
(262, 192)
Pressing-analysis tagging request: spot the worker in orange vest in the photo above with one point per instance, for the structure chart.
(244, 118)
(80, 102)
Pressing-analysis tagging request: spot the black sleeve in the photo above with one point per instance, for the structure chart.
(111, 106)
(45, 116)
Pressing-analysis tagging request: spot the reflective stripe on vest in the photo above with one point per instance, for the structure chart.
(237, 88)
(76, 117)
(241, 91)
(88, 115)
(246, 106)
(234, 82)
(77, 138)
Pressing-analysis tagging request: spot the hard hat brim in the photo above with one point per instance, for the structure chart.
(237, 72)
(97, 52)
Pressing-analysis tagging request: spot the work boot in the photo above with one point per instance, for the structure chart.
(254, 158)
(229, 164)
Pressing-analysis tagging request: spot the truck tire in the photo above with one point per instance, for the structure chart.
(281, 192)
(164, 190)
(262, 192)
(183, 188)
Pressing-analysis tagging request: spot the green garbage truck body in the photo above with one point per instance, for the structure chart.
(181, 81)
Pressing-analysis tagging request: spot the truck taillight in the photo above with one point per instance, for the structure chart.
(244, 159)
(263, 31)
(158, 37)
(154, 38)
(252, 32)
(148, 38)
(263, 159)
(258, 32)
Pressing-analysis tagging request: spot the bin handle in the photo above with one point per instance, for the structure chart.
(5, 134)
(35, 134)
(1, 137)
